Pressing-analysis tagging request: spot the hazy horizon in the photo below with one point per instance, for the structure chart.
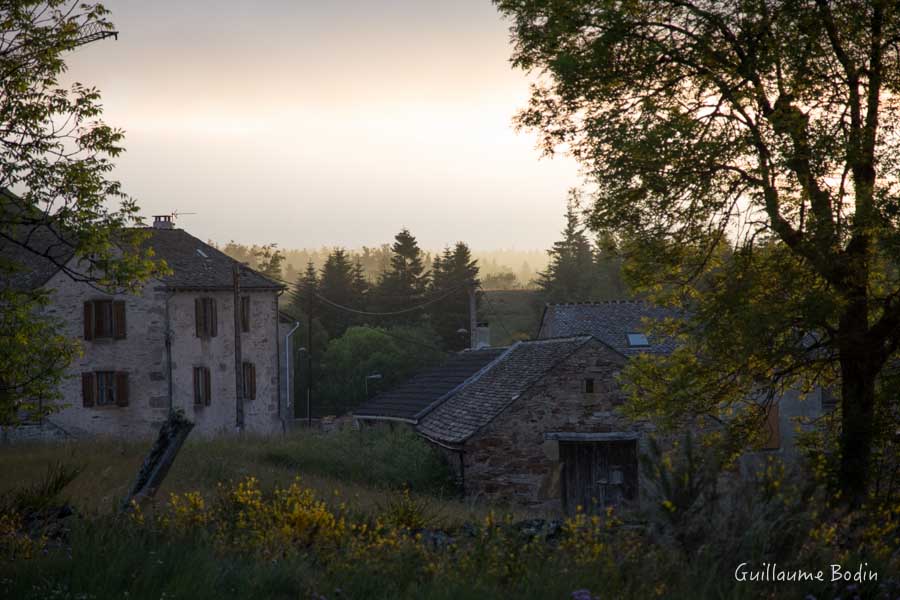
(337, 124)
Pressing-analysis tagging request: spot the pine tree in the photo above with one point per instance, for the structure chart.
(570, 275)
(336, 284)
(360, 285)
(304, 292)
(453, 270)
(405, 284)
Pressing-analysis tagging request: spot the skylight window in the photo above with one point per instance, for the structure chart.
(202, 253)
(637, 340)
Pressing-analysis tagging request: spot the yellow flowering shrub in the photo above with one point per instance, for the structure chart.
(15, 542)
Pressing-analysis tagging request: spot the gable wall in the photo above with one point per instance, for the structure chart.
(510, 461)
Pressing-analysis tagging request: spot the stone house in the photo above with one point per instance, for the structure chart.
(172, 345)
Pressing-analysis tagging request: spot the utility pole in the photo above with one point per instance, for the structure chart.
(309, 327)
(473, 317)
(238, 361)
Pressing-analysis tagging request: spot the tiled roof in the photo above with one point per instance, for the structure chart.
(414, 396)
(609, 322)
(472, 407)
(197, 265)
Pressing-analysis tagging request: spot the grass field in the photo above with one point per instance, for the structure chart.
(367, 468)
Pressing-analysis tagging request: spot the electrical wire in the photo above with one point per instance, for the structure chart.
(388, 313)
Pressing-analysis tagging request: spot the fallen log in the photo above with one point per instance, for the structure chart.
(156, 466)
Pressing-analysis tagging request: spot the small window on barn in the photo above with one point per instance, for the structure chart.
(249, 379)
(104, 319)
(829, 400)
(637, 340)
(202, 387)
(589, 385)
(205, 318)
(245, 313)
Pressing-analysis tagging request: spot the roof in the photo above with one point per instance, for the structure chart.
(609, 322)
(476, 404)
(413, 397)
(197, 265)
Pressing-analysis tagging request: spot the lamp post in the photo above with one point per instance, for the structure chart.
(368, 377)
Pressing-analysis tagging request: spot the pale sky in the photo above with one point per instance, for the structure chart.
(312, 123)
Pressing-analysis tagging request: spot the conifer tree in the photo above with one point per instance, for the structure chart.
(453, 270)
(570, 275)
(337, 285)
(405, 284)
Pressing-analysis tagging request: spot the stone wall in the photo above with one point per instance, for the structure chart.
(142, 354)
(510, 460)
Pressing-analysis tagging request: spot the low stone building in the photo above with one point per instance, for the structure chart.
(534, 424)
(172, 345)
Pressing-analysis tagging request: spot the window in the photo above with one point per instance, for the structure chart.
(637, 340)
(205, 318)
(249, 379)
(104, 319)
(589, 385)
(104, 388)
(202, 387)
(245, 313)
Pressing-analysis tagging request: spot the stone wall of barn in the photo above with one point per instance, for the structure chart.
(511, 461)
(142, 354)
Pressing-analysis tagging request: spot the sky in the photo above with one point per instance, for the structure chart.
(309, 123)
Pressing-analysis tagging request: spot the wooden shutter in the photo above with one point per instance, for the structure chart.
(121, 388)
(245, 313)
(213, 318)
(119, 319)
(88, 320)
(207, 387)
(87, 389)
(198, 397)
(249, 379)
(198, 316)
(772, 431)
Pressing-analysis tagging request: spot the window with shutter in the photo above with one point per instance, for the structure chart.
(249, 378)
(205, 318)
(104, 319)
(202, 386)
(105, 388)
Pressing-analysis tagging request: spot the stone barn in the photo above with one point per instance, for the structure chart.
(533, 424)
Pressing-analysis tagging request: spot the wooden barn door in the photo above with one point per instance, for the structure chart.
(598, 474)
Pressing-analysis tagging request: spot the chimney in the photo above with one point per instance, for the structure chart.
(163, 222)
(482, 336)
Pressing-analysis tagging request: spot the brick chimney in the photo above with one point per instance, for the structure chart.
(163, 222)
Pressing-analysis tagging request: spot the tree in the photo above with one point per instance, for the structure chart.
(394, 353)
(571, 274)
(405, 284)
(453, 275)
(55, 197)
(269, 260)
(766, 127)
(337, 285)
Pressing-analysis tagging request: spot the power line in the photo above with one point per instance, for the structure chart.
(388, 313)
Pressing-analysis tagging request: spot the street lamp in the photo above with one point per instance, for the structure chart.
(368, 377)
